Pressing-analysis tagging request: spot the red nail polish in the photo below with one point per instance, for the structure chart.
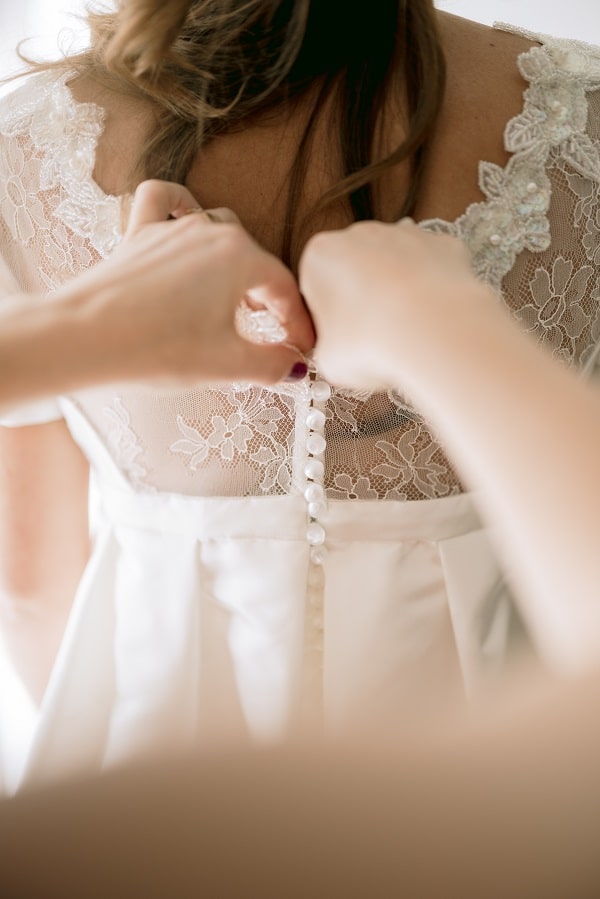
(298, 372)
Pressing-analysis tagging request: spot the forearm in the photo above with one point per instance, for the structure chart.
(525, 431)
(521, 429)
(506, 808)
(162, 307)
(51, 347)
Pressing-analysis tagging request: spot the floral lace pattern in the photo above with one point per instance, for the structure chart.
(125, 444)
(250, 430)
(63, 136)
(535, 237)
(557, 308)
(250, 427)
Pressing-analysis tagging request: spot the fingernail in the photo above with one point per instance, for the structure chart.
(298, 372)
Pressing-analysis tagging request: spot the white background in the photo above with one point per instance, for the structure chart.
(42, 19)
(564, 18)
(45, 18)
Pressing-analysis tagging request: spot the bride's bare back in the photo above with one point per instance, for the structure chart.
(248, 170)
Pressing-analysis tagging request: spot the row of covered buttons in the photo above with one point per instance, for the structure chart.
(316, 505)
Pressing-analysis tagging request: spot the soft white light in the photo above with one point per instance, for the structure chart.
(578, 18)
(42, 21)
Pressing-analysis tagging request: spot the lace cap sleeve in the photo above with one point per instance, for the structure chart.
(54, 220)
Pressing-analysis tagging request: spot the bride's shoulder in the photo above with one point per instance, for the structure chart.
(482, 62)
(493, 74)
(502, 53)
(506, 89)
(484, 91)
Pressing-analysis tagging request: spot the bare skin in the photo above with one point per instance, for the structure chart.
(247, 171)
(234, 171)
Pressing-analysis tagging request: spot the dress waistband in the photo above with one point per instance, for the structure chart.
(285, 517)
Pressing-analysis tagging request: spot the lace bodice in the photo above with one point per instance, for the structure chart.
(535, 237)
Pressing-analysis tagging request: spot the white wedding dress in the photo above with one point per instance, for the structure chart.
(265, 555)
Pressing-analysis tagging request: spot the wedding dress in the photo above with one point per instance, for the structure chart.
(266, 554)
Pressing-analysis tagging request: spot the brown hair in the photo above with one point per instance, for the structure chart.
(209, 66)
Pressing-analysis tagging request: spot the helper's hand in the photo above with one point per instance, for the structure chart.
(386, 300)
(182, 282)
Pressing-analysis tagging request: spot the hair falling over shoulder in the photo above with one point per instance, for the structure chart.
(209, 66)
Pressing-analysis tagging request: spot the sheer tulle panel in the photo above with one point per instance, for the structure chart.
(250, 442)
(234, 441)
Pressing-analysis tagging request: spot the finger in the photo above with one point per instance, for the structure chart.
(156, 201)
(272, 285)
(217, 215)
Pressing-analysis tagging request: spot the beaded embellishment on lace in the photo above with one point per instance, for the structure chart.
(514, 216)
